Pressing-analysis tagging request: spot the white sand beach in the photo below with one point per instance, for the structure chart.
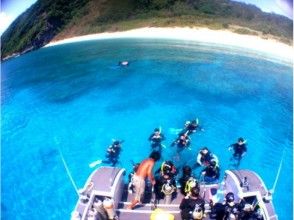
(268, 48)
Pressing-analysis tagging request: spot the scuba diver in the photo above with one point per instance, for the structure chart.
(250, 211)
(156, 138)
(165, 186)
(192, 206)
(204, 157)
(187, 174)
(113, 152)
(231, 209)
(228, 210)
(211, 172)
(183, 141)
(239, 149)
(192, 126)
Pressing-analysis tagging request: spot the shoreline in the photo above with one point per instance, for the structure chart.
(269, 48)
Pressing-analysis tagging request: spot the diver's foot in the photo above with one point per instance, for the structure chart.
(132, 206)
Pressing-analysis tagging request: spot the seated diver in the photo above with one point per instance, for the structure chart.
(239, 149)
(192, 126)
(231, 209)
(192, 206)
(250, 211)
(165, 185)
(183, 141)
(113, 152)
(228, 210)
(211, 172)
(204, 157)
(156, 138)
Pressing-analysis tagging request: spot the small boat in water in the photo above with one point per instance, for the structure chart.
(105, 196)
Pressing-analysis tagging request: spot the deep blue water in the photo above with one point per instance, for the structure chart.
(75, 98)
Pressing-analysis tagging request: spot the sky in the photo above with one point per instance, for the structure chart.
(11, 9)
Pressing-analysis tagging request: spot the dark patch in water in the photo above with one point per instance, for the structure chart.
(47, 156)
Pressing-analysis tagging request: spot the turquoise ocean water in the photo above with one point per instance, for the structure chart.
(76, 99)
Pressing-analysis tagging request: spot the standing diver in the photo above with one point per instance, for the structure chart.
(143, 171)
(165, 186)
(240, 150)
(156, 138)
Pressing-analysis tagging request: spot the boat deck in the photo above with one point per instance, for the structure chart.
(144, 210)
(108, 182)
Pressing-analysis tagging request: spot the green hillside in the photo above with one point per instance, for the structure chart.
(48, 20)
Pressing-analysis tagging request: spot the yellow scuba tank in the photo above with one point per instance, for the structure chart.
(192, 182)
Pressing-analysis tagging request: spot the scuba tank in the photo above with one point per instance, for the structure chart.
(192, 182)
(167, 190)
(108, 205)
(101, 212)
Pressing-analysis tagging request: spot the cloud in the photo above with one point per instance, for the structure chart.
(5, 21)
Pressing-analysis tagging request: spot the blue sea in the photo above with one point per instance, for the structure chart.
(74, 99)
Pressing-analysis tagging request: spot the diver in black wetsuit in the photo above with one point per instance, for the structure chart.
(165, 182)
(156, 138)
(192, 207)
(239, 149)
(231, 209)
(192, 127)
(183, 141)
(211, 173)
(204, 157)
(112, 153)
(187, 174)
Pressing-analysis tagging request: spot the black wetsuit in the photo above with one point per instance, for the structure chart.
(239, 150)
(156, 139)
(191, 128)
(112, 154)
(212, 173)
(182, 142)
(235, 210)
(187, 206)
(205, 158)
(217, 211)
